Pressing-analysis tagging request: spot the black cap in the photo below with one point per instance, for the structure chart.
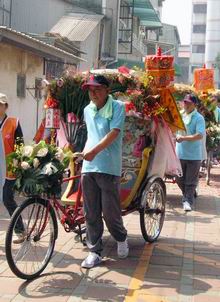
(96, 80)
(190, 98)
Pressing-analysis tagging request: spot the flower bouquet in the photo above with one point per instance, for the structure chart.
(212, 137)
(38, 168)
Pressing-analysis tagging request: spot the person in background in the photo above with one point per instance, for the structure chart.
(2, 166)
(11, 134)
(101, 171)
(189, 149)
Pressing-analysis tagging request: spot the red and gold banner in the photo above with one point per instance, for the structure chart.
(52, 118)
(171, 115)
(204, 79)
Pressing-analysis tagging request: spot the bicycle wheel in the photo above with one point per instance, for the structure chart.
(29, 258)
(152, 212)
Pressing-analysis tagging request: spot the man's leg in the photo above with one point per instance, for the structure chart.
(93, 212)
(181, 180)
(10, 204)
(192, 178)
(110, 188)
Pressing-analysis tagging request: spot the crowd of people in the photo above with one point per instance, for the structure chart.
(101, 170)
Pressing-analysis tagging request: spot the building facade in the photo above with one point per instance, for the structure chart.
(198, 36)
(22, 68)
(183, 62)
(205, 37)
(213, 37)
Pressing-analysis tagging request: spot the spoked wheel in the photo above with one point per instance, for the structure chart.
(152, 212)
(31, 238)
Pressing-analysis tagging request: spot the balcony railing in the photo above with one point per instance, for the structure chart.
(139, 44)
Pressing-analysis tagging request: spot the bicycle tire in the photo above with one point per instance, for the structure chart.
(9, 237)
(148, 209)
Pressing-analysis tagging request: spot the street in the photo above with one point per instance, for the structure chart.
(183, 265)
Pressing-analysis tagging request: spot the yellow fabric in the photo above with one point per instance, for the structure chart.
(172, 115)
(142, 173)
(65, 198)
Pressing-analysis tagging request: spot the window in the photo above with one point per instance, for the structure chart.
(200, 8)
(198, 48)
(21, 85)
(53, 70)
(199, 28)
(38, 90)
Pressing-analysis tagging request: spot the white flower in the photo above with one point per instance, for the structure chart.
(25, 165)
(36, 163)
(59, 155)
(42, 152)
(15, 162)
(49, 169)
(27, 151)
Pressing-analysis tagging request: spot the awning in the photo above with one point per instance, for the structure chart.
(131, 64)
(36, 46)
(76, 27)
(144, 10)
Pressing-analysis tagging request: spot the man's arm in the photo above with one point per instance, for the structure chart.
(200, 132)
(104, 143)
(189, 138)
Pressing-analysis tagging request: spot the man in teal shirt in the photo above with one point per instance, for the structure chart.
(101, 169)
(189, 149)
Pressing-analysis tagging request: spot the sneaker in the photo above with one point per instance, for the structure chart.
(123, 249)
(91, 260)
(20, 238)
(187, 206)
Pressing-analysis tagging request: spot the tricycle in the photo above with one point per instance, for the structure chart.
(139, 192)
(149, 106)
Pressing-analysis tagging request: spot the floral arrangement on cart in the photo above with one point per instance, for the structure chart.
(39, 168)
(145, 94)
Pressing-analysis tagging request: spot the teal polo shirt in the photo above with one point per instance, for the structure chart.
(189, 150)
(109, 160)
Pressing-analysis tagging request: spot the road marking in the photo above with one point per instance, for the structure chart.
(134, 290)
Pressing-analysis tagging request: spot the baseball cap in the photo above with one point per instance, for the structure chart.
(96, 80)
(189, 98)
(3, 99)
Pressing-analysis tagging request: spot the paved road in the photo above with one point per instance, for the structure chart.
(183, 266)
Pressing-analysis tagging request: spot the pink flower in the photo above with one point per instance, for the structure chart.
(60, 83)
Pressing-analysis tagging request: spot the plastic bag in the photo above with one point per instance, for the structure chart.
(165, 160)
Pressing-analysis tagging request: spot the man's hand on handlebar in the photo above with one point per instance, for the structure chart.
(78, 157)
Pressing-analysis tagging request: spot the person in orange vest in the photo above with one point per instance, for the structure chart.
(2, 166)
(11, 134)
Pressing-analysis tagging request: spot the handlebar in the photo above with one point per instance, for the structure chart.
(78, 157)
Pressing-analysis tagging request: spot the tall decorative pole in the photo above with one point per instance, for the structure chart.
(52, 117)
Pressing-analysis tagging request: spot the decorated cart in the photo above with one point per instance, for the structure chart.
(148, 153)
